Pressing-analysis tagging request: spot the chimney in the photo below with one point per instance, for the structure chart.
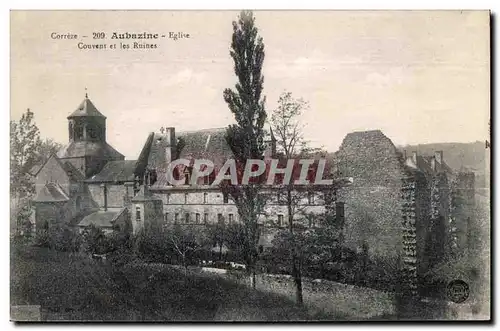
(414, 157)
(438, 155)
(170, 143)
(105, 196)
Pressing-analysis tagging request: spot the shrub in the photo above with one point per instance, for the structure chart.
(42, 239)
(65, 239)
(95, 241)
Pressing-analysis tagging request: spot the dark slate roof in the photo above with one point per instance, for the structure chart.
(116, 171)
(73, 173)
(86, 108)
(207, 144)
(89, 148)
(102, 219)
(51, 192)
(145, 195)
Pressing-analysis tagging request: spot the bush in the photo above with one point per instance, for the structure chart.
(42, 239)
(95, 241)
(61, 238)
(65, 239)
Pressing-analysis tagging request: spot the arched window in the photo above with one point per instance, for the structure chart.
(71, 130)
(93, 131)
(78, 131)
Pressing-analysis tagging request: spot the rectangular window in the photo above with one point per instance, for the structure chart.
(205, 218)
(231, 218)
(185, 198)
(220, 218)
(226, 198)
(310, 198)
(281, 220)
(167, 198)
(279, 198)
(197, 218)
(205, 197)
(176, 218)
(186, 217)
(165, 218)
(138, 214)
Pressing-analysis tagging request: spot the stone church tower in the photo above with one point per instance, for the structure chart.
(88, 150)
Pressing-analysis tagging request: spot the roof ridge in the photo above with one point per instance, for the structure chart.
(204, 130)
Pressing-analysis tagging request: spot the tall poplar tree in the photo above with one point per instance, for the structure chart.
(246, 138)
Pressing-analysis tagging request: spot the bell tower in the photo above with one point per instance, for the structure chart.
(87, 149)
(86, 123)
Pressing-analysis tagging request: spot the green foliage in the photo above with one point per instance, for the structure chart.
(66, 239)
(95, 241)
(74, 287)
(286, 126)
(151, 246)
(24, 143)
(246, 101)
(23, 220)
(246, 138)
(184, 243)
(60, 238)
(42, 239)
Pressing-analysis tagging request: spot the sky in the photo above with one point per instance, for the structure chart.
(419, 76)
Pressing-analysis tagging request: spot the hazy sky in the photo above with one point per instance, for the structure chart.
(418, 76)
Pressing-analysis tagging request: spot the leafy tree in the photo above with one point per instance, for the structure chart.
(24, 144)
(65, 239)
(217, 234)
(95, 240)
(246, 138)
(27, 153)
(184, 244)
(46, 148)
(285, 123)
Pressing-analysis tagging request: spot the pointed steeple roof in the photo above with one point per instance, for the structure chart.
(86, 109)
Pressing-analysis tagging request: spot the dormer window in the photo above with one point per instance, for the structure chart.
(187, 176)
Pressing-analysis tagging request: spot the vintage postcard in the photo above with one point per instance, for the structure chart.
(250, 166)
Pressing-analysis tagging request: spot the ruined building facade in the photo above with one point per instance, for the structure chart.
(416, 205)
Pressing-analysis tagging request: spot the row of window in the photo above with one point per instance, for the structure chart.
(280, 198)
(186, 218)
(197, 218)
(205, 198)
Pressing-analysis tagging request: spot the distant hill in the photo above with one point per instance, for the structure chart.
(470, 156)
(459, 156)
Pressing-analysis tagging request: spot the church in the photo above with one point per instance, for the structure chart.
(88, 182)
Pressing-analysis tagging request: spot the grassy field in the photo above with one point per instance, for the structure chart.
(74, 287)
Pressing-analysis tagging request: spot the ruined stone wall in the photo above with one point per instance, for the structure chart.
(373, 203)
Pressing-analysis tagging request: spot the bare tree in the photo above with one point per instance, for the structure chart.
(184, 244)
(290, 143)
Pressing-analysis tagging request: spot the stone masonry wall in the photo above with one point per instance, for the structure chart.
(373, 203)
